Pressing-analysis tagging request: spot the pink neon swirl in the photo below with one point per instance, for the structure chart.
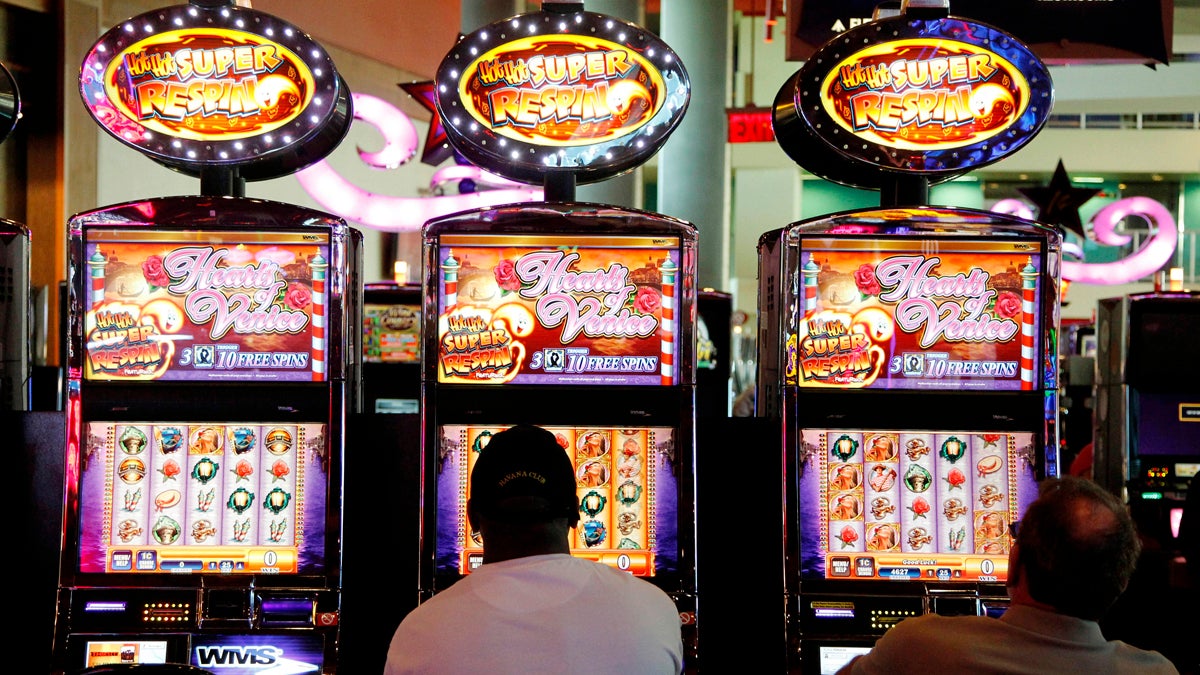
(400, 139)
(1013, 207)
(1018, 208)
(401, 214)
(1154, 253)
(1147, 260)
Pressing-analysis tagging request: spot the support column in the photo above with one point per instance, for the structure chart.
(626, 189)
(693, 169)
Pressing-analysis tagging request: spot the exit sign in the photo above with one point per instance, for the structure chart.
(750, 125)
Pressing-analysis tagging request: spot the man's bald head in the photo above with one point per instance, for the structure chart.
(1078, 547)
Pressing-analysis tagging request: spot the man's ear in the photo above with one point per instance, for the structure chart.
(472, 516)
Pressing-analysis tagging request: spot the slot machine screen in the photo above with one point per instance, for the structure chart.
(1158, 328)
(172, 497)
(628, 515)
(391, 333)
(1164, 407)
(392, 348)
(117, 651)
(831, 658)
(889, 504)
(1164, 423)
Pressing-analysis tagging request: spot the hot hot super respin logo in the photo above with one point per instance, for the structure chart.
(840, 349)
(563, 90)
(924, 94)
(214, 83)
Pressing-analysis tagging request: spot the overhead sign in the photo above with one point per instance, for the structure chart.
(579, 92)
(1115, 31)
(192, 86)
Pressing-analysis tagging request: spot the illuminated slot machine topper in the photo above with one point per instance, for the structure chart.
(912, 505)
(625, 485)
(172, 497)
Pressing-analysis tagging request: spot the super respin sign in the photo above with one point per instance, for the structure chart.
(923, 94)
(209, 85)
(930, 97)
(552, 91)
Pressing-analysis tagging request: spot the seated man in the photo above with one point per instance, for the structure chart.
(532, 607)
(1075, 550)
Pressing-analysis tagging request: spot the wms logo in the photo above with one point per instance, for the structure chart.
(257, 659)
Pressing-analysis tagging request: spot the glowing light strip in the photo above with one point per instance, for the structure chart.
(319, 270)
(668, 323)
(1029, 276)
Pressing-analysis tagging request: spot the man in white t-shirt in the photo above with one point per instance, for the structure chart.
(532, 607)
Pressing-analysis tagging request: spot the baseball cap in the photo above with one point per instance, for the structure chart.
(524, 475)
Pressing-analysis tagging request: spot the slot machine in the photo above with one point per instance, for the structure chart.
(908, 351)
(577, 317)
(15, 339)
(213, 359)
(714, 325)
(1147, 443)
(391, 348)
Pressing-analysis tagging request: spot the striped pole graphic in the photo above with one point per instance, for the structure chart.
(1028, 297)
(668, 322)
(450, 279)
(810, 271)
(319, 268)
(96, 264)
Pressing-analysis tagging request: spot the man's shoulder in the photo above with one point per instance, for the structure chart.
(1136, 659)
(636, 589)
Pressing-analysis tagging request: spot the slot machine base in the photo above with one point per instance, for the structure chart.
(208, 628)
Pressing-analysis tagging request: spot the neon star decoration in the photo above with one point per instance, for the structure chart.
(1058, 203)
(403, 214)
(437, 146)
